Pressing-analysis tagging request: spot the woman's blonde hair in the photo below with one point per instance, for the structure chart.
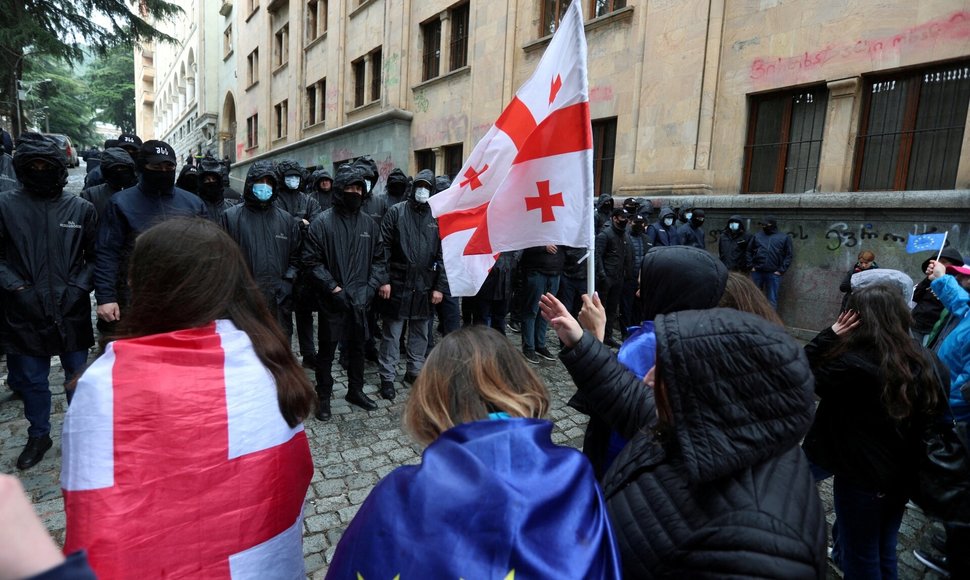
(472, 372)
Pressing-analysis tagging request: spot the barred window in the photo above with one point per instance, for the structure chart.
(604, 7)
(459, 37)
(431, 58)
(552, 13)
(360, 87)
(604, 152)
(453, 159)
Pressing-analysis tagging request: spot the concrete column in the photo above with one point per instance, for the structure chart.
(445, 61)
(712, 63)
(439, 160)
(963, 170)
(838, 139)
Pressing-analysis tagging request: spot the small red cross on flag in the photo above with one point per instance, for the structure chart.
(545, 131)
(178, 463)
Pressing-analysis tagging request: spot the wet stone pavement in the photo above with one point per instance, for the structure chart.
(351, 453)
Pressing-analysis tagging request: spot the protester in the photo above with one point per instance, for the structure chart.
(928, 309)
(864, 261)
(663, 232)
(47, 239)
(493, 497)
(878, 390)
(269, 239)
(541, 267)
(449, 309)
(8, 176)
(185, 449)
(494, 298)
(733, 245)
(398, 187)
(320, 187)
(614, 266)
(118, 170)
(129, 213)
(770, 255)
(604, 210)
(692, 232)
(212, 189)
(629, 305)
(130, 143)
(740, 293)
(573, 282)
(417, 281)
(188, 179)
(345, 264)
(712, 483)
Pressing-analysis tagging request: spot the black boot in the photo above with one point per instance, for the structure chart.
(323, 403)
(387, 390)
(358, 398)
(34, 451)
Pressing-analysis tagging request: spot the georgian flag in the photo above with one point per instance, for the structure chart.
(178, 463)
(529, 181)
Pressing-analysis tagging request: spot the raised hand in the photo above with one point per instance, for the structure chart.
(592, 316)
(566, 327)
(847, 321)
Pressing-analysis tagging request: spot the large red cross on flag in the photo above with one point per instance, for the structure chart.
(178, 463)
(529, 181)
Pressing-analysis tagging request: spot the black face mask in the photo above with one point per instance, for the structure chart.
(637, 228)
(210, 191)
(157, 182)
(620, 224)
(352, 201)
(121, 178)
(45, 183)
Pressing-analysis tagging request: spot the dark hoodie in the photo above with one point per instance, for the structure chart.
(398, 187)
(188, 179)
(323, 198)
(604, 208)
(726, 477)
(118, 169)
(928, 307)
(660, 234)
(269, 239)
(213, 193)
(343, 248)
(301, 206)
(733, 246)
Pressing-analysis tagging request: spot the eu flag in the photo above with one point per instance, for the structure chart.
(490, 500)
(925, 243)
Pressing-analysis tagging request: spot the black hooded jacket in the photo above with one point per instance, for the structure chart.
(614, 256)
(215, 200)
(733, 246)
(323, 199)
(724, 491)
(398, 187)
(928, 307)
(293, 201)
(268, 237)
(414, 264)
(770, 251)
(680, 278)
(113, 159)
(343, 248)
(604, 208)
(47, 247)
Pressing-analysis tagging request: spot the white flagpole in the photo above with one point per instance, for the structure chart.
(591, 253)
(940, 253)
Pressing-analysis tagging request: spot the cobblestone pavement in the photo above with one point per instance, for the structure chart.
(351, 453)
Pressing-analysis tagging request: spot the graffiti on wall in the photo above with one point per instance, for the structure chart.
(840, 235)
(955, 26)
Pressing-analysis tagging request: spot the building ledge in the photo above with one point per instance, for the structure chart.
(624, 13)
(280, 68)
(841, 200)
(315, 41)
(465, 70)
(360, 7)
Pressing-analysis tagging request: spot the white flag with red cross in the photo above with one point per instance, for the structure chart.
(529, 181)
(177, 462)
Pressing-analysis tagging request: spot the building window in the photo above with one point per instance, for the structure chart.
(459, 37)
(316, 18)
(604, 151)
(552, 13)
(453, 160)
(424, 159)
(280, 110)
(227, 41)
(912, 129)
(253, 5)
(376, 70)
(316, 106)
(604, 7)
(252, 67)
(431, 59)
(360, 84)
(252, 132)
(281, 46)
(784, 141)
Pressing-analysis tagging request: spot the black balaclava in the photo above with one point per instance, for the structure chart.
(188, 179)
(155, 182)
(697, 220)
(639, 224)
(48, 182)
(118, 168)
(367, 169)
(212, 191)
(397, 186)
(347, 203)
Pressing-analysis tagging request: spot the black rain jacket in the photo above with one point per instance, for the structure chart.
(726, 492)
(324, 200)
(770, 252)
(604, 208)
(343, 248)
(614, 256)
(733, 246)
(269, 239)
(99, 195)
(46, 272)
(414, 265)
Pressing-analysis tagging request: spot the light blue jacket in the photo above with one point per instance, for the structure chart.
(955, 350)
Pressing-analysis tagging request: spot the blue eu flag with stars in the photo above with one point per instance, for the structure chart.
(925, 243)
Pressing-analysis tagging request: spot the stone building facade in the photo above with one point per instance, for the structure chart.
(847, 120)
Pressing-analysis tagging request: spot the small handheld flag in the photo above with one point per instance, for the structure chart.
(925, 243)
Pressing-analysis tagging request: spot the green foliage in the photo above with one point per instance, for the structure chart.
(62, 104)
(111, 88)
(62, 29)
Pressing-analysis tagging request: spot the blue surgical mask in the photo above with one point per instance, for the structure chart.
(422, 195)
(262, 191)
(734, 226)
(292, 181)
(668, 221)
(688, 215)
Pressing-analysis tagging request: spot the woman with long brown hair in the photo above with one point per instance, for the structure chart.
(185, 446)
(493, 497)
(878, 390)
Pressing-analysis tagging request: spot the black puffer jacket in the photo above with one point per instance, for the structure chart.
(614, 256)
(679, 278)
(413, 249)
(537, 259)
(725, 491)
(343, 248)
(46, 264)
(660, 234)
(269, 239)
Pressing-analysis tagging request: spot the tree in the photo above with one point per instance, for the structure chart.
(111, 86)
(61, 30)
(58, 101)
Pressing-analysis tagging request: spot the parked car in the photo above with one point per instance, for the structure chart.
(69, 150)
